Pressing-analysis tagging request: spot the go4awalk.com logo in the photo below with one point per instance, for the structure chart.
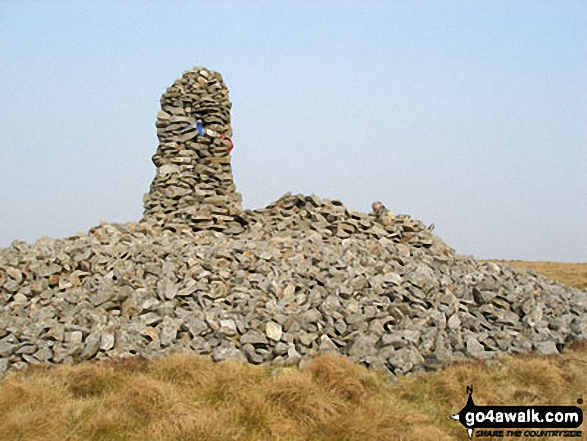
(515, 421)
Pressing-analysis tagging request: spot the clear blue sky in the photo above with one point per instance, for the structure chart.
(469, 115)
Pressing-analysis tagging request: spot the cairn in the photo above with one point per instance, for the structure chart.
(193, 187)
(306, 275)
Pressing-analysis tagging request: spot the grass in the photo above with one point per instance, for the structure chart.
(189, 398)
(572, 274)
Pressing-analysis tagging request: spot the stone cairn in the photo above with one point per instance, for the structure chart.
(193, 187)
(277, 285)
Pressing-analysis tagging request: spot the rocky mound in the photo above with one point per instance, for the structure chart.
(299, 277)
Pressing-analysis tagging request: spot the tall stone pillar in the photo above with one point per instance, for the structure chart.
(193, 187)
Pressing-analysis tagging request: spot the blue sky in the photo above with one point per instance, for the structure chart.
(469, 115)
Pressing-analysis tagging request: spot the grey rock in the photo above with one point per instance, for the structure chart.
(227, 352)
(195, 326)
(393, 340)
(327, 345)
(293, 356)
(253, 337)
(14, 273)
(280, 348)
(403, 360)
(10, 286)
(56, 333)
(19, 298)
(306, 338)
(340, 327)
(26, 349)
(474, 348)
(421, 276)
(107, 341)
(4, 363)
(44, 354)
(412, 336)
(547, 348)
(102, 296)
(6, 348)
(251, 355)
(228, 327)
(19, 365)
(168, 331)
(91, 346)
(75, 337)
(362, 347)
(170, 290)
(29, 359)
(454, 322)
(151, 319)
(392, 279)
(149, 305)
(311, 316)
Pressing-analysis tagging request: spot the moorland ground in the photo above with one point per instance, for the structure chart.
(572, 274)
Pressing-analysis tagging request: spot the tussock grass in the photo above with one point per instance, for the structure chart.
(572, 274)
(329, 398)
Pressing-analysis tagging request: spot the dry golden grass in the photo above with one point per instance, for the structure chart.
(188, 398)
(572, 274)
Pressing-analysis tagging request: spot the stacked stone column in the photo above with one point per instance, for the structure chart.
(194, 188)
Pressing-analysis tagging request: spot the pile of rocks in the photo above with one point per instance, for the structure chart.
(332, 218)
(193, 187)
(274, 294)
(276, 285)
